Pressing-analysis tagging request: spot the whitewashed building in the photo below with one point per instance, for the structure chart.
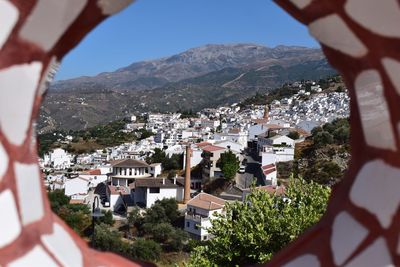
(125, 171)
(59, 159)
(146, 191)
(199, 212)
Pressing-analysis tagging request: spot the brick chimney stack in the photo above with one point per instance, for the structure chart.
(186, 196)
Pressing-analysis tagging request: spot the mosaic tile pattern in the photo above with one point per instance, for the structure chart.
(41, 31)
(361, 227)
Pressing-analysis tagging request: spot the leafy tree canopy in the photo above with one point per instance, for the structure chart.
(229, 164)
(252, 232)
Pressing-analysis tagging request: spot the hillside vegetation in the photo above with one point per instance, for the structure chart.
(204, 77)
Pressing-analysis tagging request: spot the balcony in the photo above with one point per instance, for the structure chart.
(196, 217)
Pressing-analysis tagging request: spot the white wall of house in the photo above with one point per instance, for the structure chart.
(130, 172)
(94, 179)
(175, 193)
(284, 154)
(105, 169)
(268, 158)
(282, 140)
(255, 130)
(198, 225)
(235, 147)
(272, 155)
(60, 159)
(155, 170)
(195, 158)
(271, 178)
(76, 186)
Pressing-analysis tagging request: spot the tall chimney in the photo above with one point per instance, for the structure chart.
(186, 196)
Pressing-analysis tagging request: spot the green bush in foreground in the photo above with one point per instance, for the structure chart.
(252, 232)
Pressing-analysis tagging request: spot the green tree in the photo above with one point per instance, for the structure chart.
(135, 218)
(252, 232)
(146, 250)
(77, 216)
(107, 218)
(164, 210)
(229, 164)
(109, 240)
(294, 135)
(323, 138)
(57, 199)
(160, 232)
(178, 240)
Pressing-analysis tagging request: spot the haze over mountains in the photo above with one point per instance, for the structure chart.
(206, 76)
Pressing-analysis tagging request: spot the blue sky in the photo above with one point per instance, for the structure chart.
(151, 29)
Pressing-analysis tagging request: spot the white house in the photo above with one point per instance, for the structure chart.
(119, 198)
(125, 171)
(276, 140)
(270, 154)
(95, 177)
(281, 140)
(256, 130)
(199, 212)
(235, 147)
(235, 135)
(195, 157)
(78, 185)
(59, 159)
(146, 191)
(269, 173)
(155, 169)
(211, 155)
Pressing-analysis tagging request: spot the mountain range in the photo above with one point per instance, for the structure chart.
(201, 77)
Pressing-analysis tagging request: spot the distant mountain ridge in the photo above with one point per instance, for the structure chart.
(206, 76)
(192, 63)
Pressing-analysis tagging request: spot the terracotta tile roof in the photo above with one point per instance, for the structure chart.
(269, 166)
(274, 126)
(268, 171)
(234, 131)
(207, 202)
(260, 121)
(130, 163)
(115, 190)
(159, 182)
(93, 172)
(202, 144)
(212, 148)
(76, 201)
(273, 190)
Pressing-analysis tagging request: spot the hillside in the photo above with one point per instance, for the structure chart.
(202, 77)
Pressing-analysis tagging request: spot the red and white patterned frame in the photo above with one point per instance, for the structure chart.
(361, 227)
(359, 37)
(34, 36)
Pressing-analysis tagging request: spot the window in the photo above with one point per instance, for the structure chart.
(205, 237)
(154, 190)
(187, 224)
